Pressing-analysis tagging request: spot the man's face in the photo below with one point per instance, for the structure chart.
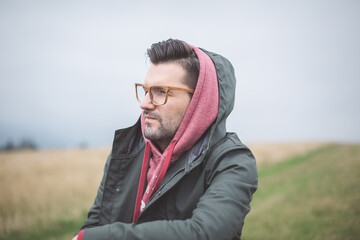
(162, 122)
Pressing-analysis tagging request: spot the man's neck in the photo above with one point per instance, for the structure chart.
(162, 145)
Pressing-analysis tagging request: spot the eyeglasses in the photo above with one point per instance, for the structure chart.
(158, 94)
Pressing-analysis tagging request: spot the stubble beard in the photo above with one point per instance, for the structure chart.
(160, 136)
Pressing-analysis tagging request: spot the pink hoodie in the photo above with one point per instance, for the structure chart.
(201, 113)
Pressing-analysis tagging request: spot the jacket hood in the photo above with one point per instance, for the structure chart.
(227, 85)
(222, 72)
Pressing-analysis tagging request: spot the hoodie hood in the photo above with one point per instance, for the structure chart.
(201, 112)
(226, 86)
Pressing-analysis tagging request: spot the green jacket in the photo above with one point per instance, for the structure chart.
(205, 194)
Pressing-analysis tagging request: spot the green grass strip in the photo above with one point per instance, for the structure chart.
(314, 196)
(61, 229)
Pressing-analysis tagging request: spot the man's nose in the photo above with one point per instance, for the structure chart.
(146, 103)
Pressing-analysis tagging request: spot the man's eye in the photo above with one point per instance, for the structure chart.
(159, 90)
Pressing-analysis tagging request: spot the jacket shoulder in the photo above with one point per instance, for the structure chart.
(230, 153)
(230, 142)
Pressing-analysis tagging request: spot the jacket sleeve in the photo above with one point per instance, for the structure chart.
(94, 212)
(220, 212)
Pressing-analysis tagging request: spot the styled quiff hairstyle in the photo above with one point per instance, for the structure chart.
(176, 51)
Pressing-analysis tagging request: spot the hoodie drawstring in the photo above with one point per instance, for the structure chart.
(142, 181)
(161, 176)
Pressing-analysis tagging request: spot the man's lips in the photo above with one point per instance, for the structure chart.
(151, 116)
(148, 117)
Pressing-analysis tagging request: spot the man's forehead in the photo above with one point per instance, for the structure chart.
(165, 74)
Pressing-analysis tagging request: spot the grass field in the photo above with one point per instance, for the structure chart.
(46, 194)
(314, 195)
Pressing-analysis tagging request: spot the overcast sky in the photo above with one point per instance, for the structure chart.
(68, 68)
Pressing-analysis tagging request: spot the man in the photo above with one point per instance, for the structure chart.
(177, 173)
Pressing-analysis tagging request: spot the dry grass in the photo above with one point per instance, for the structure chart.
(41, 187)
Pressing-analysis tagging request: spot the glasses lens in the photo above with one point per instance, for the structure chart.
(158, 95)
(140, 92)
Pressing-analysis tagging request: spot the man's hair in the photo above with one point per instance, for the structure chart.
(177, 51)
